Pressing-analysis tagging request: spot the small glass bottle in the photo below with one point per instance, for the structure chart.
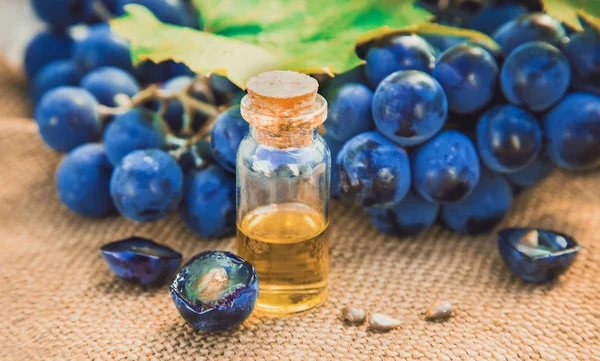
(283, 170)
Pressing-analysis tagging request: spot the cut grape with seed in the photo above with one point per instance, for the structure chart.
(106, 83)
(406, 52)
(67, 117)
(146, 185)
(83, 179)
(508, 138)
(208, 204)
(409, 107)
(446, 168)
(483, 209)
(535, 76)
(45, 48)
(468, 74)
(572, 132)
(374, 171)
(226, 135)
(53, 75)
(350, 111)
(530, 27)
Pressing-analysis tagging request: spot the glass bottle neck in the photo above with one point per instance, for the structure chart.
(295, 139)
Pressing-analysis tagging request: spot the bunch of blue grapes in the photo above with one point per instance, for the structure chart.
(140, 141)
(430, 129)
(441, 129)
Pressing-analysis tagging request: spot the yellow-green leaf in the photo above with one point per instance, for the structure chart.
(566, 10)
(245, 37)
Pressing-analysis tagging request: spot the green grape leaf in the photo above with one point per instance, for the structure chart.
(242, 38)
(566, 10)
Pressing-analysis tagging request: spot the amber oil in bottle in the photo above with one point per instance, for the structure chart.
(283, 192)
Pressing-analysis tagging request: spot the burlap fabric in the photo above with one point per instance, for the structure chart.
(59, 301)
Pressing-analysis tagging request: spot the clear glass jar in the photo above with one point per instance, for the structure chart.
(283, 171)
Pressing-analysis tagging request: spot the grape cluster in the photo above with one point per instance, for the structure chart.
(142, 141)
(431, 127)
(455, 130)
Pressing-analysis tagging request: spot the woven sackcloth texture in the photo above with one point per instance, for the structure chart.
(59, 301)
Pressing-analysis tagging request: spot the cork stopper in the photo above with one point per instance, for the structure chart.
(284, 107)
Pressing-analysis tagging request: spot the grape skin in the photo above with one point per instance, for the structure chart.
(56, 74)
(59, 13)
(226, 135)
(67, 117)
(508, 138)
(536, 76)
(468, 75)
(534, 173)
(489, 19)
(406, 52)
(409, 107)
(572, 132)
(208, 205)
(583, 52)
(412, 215)
(106, 82)
(530, 27)
(102, 48)
(349, 111)
(374, 171)
(446, 168)
(483, 209)
(45, 48)
(132, 130)
(146, 185)
(82, 181)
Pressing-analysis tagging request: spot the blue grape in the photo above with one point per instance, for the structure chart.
(489, 19)
(45, 48)
(536, 76)
(374, 171)
(208, 205)
(356, 75)
(179, 69)
(508, 138)
(223, 89)
(583, 52)
(572, 132)
(56, 74)
(469, 75)
(349, 114)
(102, 48)
(409, 107)
(174, 12)
(412, 215)
(483, 209)
(106, 82)
(67, 117)
(226, 135)
(446, 168)
(530, 27)
(335, 182)
(537, 171)
(59, 13)
(406, 52)
(133, 130)
(146, 185)
(174, 113)
(83, 179)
